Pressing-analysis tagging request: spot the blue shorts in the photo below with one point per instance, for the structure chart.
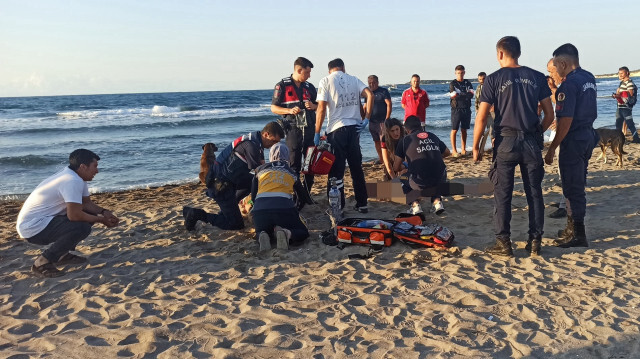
(460, 118)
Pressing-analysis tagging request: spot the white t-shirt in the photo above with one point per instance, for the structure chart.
(342, 94)
(50, 199)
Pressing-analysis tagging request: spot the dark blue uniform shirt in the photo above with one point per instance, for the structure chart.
(576, 98)
(515, 93)
(423, 152)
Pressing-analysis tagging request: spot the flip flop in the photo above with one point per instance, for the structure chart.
(455, 155)
(71, 258)
(47, 270)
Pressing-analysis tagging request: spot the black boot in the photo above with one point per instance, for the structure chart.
(578, 239)
(566, 233)
(502, 247)
(533, 244)
(192, 216)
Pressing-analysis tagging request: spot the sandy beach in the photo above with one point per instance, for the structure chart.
(152, 289)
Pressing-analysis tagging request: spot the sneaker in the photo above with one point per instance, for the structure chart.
(282, 237)
(265, 241)
(438, 208)
(361, 209)
(415, 209)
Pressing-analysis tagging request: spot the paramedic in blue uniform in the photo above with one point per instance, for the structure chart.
(229, 179)
(515, 92)
(576, 110)
(295, 100)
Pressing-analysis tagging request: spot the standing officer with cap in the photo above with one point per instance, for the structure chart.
(295, 100)
(514, 91)
(576, 110)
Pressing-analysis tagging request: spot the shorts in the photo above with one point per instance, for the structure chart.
(375, 129)
(460, 118)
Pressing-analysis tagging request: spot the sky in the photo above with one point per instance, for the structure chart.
(67, 47)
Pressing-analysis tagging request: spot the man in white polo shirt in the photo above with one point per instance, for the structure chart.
(339, 98)
(59, 212)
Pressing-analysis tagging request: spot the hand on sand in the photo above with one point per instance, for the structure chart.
(110, 220)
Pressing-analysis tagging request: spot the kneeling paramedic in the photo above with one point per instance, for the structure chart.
(274, 211)
(229, 179)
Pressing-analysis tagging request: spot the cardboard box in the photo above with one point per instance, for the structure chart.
(392, 190)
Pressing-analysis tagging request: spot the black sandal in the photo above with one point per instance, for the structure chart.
(71, 258)
(47, 270)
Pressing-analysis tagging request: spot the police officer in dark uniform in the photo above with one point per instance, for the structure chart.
(295, 100)
(515, 92)
(576, 110)
(229, 179)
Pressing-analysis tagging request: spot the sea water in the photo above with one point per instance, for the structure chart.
(147, 140)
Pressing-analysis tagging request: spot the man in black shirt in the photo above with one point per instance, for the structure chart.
(461, 93)
(514, 91)
(423, 152)
(380, 113)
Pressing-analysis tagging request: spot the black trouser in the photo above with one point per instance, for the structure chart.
(227, 199)
(524, 151)
(345, 143)
(297, 141)
(575, 151)
(64, 234)
(289, 218)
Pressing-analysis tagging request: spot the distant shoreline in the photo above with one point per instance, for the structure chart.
(634, 73)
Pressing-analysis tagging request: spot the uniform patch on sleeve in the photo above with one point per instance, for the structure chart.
(276, 92)
(558, 107)
(561, 96)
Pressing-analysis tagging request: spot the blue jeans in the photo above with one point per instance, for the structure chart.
(623, 115)
(524, 151)
(64, 234)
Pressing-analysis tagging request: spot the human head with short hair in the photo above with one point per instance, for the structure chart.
(623, 73)
(412, 124)
(481, 76)
(279, 152)
(373, 82)
(566, 59)
(84, 163)
(553, 72)
(460, 73)
(415, 81)
(510, 46)
(271, 134)
(302, 69)
(336, 65)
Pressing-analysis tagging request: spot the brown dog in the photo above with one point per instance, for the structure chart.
(614, 139)
(207, 159)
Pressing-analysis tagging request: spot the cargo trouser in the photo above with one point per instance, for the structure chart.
(298, 140)
(575, 152)
(525, 151)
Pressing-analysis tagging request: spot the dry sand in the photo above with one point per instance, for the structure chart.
(151, 289)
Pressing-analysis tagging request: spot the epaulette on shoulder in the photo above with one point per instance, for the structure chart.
(286, 80)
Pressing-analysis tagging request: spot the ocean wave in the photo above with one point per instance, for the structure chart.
(30, 161)
(166, 111)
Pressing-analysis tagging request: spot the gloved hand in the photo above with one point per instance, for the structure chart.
(316, 139)
(458, 91)
(471, 91)
(362, 125)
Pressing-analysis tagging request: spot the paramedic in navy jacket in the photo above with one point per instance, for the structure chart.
(576, 110)
(515, 92)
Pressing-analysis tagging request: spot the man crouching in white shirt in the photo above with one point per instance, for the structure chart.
(59, 212)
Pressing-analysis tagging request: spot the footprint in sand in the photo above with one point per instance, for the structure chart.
(96, 341)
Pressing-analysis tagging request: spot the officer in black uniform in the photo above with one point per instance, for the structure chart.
(576, 110)
(229, 179)
(295, 100)
(514, 91)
